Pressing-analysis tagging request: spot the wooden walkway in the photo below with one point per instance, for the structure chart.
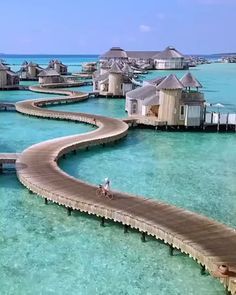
(7, 106)
(8, 158)
(207, 241)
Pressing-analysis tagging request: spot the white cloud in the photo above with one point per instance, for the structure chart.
(144, 28)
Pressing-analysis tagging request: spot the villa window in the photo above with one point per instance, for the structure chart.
(121, 87)
(182, 112)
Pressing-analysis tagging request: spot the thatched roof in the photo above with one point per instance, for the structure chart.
(115, 69)
(156, 81)
(105, 65)
(143, 92)
(115, 52)
(9, 72)
(188, 80)
(101, 77)
(48, 73)
(170, 82)
(150, 101)
(168, 53)
(127, 69)
(141, 54)
(3, 67)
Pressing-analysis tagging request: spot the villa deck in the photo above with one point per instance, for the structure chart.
(209, 242)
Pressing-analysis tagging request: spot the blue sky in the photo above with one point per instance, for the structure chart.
(93, 26)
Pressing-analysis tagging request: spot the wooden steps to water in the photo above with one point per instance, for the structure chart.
(207, 241)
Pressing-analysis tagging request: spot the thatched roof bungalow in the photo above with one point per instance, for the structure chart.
(168, 100)
(112, 80)
(169, 59)
(58, 66)
(8, 78)
(50, 76)
(29, 71)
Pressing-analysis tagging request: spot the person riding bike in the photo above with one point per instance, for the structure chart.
(106, 185)
(103, 190)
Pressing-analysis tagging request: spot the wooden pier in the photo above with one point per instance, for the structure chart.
(7, 158)
(207, 241)
(7, 106)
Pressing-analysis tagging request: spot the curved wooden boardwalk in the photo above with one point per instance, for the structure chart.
(207, 241)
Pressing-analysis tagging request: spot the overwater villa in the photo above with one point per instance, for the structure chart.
(50, 76)
(168, 101)
(29, 71)
(113, 80)
(58, 66)
(8, 78)
(169, 59)
(89, 67)
(142, 59)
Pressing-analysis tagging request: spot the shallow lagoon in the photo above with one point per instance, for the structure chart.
(44, 252)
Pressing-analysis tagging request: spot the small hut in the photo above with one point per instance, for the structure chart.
(169, 59)
(50, 77)
(112, 80)
(8, 78)
(89, 67)
(29, 71)
(58, 66)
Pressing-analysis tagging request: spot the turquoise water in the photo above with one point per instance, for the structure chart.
(191, 170)
(99, 106)
(19, 132)
(45, 252)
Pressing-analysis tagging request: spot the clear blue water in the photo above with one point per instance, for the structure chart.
(45, 252)
(19, 132)
(99, 106)
(191, 170)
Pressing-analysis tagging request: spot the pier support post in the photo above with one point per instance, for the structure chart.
(143, 237)
(171, 250)
(74, 151)
(126, 228)
(203, 270)
(45, 201)
(103, 144)
(87, 148)
(69, 210)
(64, 156)
(102, 221)
(1, 168)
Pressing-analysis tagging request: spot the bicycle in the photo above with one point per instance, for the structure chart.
(102, 193)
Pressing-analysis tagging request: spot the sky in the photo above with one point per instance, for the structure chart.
(94, 26)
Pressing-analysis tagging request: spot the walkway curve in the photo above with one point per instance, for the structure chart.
(207, 241)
